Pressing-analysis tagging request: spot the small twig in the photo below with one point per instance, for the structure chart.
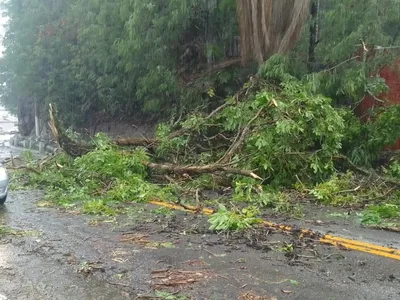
(374, 97)
(144, 297)
(342, 63)
(333, 254)
(129, 232)
(209, 252)
(207, 139)
(217, 110)
(161, 271)
(276, 282)
(169, 179)
(119, 284)
(349, 191)
(307, 256)
(175, 123)
(222, 276)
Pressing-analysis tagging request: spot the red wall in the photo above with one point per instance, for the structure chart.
(391, 74)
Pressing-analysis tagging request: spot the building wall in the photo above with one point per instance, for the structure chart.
(391, 74)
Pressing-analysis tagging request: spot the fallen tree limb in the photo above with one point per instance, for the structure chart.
(201, 169)
(217, 67)
(149, 143)
(71, 147)
(24, 168)
(138, 142)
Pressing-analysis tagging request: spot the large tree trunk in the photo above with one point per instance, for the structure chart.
(269, 27)
(26, 116)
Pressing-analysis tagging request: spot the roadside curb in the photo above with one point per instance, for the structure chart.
(33, 143)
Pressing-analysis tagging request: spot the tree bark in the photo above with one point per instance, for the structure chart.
(268, 27)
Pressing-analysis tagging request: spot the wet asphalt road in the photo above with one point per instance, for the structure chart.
(47, 260)
(27, 273)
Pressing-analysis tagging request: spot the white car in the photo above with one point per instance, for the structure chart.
(3, 184)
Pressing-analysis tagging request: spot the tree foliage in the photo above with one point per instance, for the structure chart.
(118, 59)
(98, 59)
(356, 38)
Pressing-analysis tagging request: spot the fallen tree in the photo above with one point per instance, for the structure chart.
(262, 133)
(77, 149)
(275, 131)
(266, 137)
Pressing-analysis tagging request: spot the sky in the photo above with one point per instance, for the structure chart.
(3, 21)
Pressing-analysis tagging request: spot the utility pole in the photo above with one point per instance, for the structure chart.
(37, 122)
(314, 35)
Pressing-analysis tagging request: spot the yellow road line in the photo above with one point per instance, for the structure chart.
(326, 239)
(361, 244)
(386, 254)
(347, 243)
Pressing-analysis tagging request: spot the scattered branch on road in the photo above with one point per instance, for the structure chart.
(171, 278)
(119, 284)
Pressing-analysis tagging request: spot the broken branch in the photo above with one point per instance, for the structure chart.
(202, 169)
(24, 168)
(238, 143)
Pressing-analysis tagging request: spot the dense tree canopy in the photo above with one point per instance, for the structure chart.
(119, 59)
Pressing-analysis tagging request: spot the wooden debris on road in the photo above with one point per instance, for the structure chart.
(251, 296)
(173, 278)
